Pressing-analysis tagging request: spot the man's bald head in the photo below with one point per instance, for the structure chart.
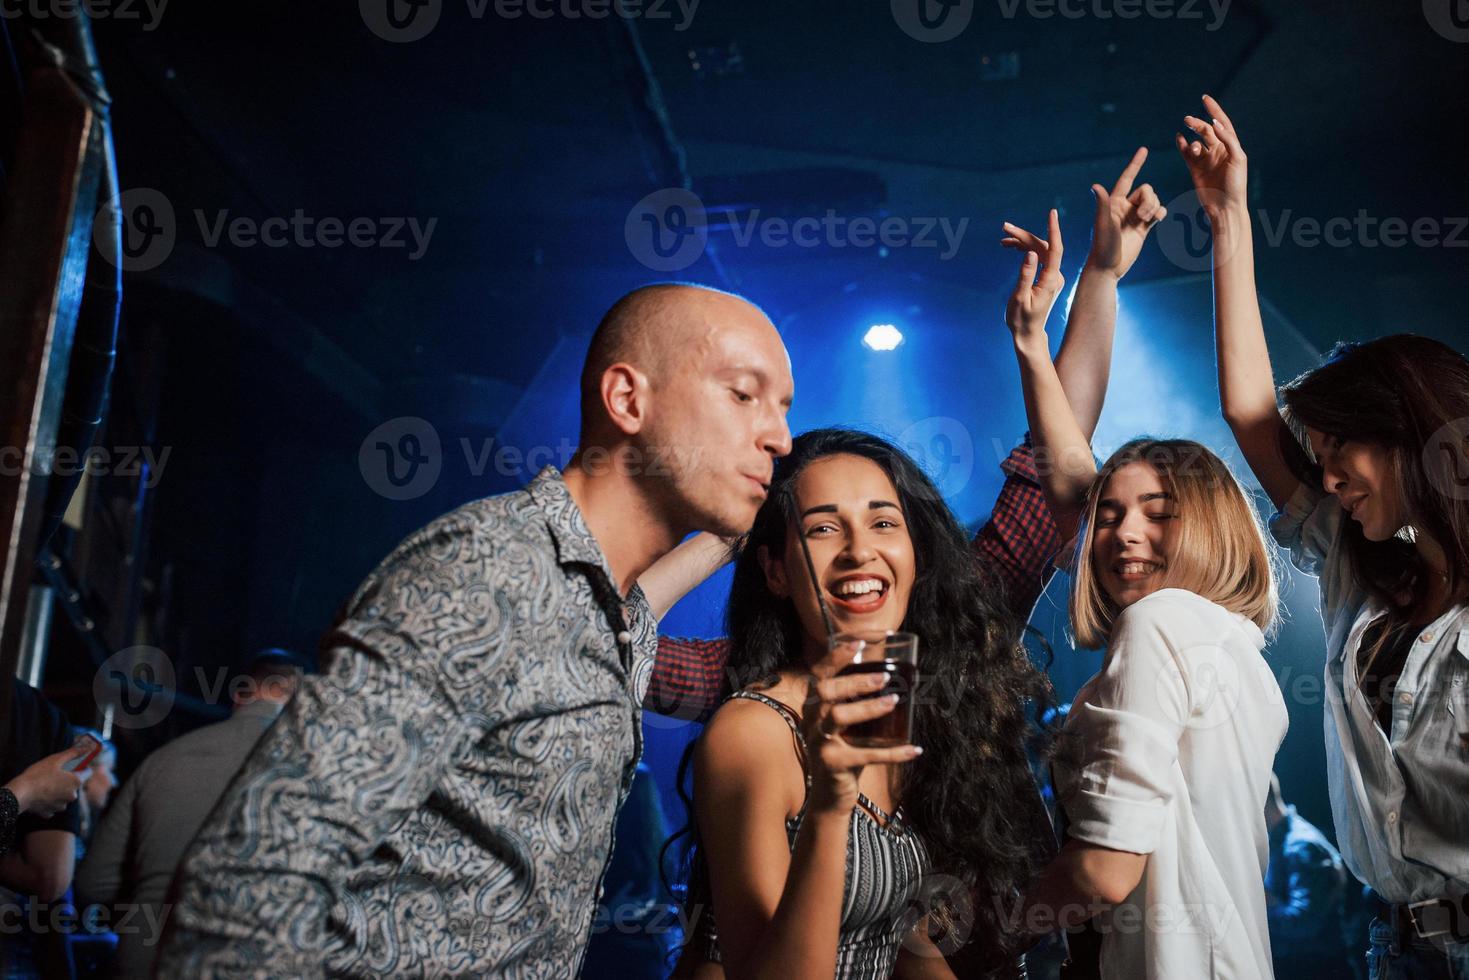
(651, 328)
(685, 393)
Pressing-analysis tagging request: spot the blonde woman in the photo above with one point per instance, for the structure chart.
(1172, 743)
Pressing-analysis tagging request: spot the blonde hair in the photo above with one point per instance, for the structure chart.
(1218, 549)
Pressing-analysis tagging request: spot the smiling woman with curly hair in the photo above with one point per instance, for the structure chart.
(812, 850)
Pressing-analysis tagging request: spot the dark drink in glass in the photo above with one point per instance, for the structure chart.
(896, 656)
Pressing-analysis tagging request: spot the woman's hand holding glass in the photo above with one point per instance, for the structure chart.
(834, 765)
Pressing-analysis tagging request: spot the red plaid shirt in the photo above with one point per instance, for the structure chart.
(1018, 543)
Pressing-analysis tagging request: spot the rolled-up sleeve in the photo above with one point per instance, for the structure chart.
(1020, 540)
(688, 677)
(1306, 527)
(355, 752)
(1129, 725)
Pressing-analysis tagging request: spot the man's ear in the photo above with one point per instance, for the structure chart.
(775, 573)
(626, 396)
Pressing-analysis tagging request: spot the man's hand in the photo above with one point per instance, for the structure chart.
(1124, 218)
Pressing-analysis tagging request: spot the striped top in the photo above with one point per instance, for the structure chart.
(886, 863)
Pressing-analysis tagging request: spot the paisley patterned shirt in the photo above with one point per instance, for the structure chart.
(440, 800)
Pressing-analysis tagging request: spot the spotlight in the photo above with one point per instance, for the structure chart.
(883, 336)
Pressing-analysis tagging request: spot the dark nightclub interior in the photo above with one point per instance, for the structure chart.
(362, 247)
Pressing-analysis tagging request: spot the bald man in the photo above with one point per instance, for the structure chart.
(439, 801)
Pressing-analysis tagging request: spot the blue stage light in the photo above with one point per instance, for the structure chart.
(883, 336)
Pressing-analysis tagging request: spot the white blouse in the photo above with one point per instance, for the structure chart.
(1399, 799)
(1177, 736)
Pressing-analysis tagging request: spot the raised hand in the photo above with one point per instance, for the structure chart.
(1030, 304)
(1124, 218)
(1215, 161)
(834, 764)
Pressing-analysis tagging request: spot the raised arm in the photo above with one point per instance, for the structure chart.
(1064, 457)
(1022, 537)
(677, 573)
(1217, 164)
(1124, 216)
(688, 674)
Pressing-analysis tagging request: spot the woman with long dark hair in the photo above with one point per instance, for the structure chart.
(1369, 467)
(826, 889)
(811, 854)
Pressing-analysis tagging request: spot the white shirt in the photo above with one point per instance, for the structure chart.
(1399, 800)
(1178, 735)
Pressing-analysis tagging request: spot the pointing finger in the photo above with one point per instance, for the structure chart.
(1129, 173)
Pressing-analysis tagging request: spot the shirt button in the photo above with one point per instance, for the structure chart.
(1392, 816)
(1427, 637)
(1405, 698)
(624, 637)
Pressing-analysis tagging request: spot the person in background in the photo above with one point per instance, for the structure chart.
(98, 782)
(38, 869)
(1305, 884)
(142, 838)
(43, 788)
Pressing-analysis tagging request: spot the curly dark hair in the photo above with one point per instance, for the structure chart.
(968, 796)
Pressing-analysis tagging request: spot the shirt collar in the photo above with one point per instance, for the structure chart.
(574, 541)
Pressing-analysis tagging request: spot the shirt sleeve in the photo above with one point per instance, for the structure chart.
(357, 750)
(1129, 722)
(1307, 527)
(688, 677)
(1020, 540)
(99, 878)
(49, 733)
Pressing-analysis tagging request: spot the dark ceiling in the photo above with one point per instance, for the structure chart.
(527, 141)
